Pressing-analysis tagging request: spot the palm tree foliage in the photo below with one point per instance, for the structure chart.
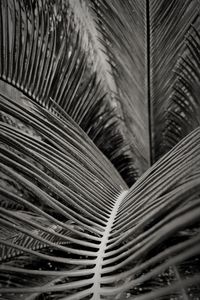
(96, 95)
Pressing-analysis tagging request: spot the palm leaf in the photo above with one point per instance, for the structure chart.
(183, 111)
(144, 41)
(127, 73)
(44, 56)
(123, 38)
(168, 44)
(90, 59)
(56, 40)
(92, 237)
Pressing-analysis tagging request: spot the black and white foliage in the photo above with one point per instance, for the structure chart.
(99, 149)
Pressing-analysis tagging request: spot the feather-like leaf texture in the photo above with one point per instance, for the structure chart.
(123, 38)
(144, 41)
(44, 55)
(127, 72)
(183, 109)
(100, 60)
(78, 232)
(173, 68)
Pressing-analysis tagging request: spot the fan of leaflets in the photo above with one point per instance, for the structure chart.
(70, 227)
(92, 94)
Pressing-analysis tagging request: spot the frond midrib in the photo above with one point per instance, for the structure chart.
(96, 288)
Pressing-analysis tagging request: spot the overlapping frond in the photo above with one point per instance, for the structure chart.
(171, 25)
(44, 55)
(107, 64)
(123, 38)
(184, 107)
(127, 73)
(144, 41)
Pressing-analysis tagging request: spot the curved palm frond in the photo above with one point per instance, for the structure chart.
(76, 232)
(127, 73)
(123, 38)
(95, 62)
(170, 31)
(43, 54)
(62, 189)
(183, 110)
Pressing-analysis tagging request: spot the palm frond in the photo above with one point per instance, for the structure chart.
(49, 173)
(183, 110)
(123, 38)
(44, 56)
(89, 59)
(81, 233)
(170, 27)
(81, 81)
(144, 43)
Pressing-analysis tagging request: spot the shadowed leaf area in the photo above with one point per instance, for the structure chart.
(99, 150)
